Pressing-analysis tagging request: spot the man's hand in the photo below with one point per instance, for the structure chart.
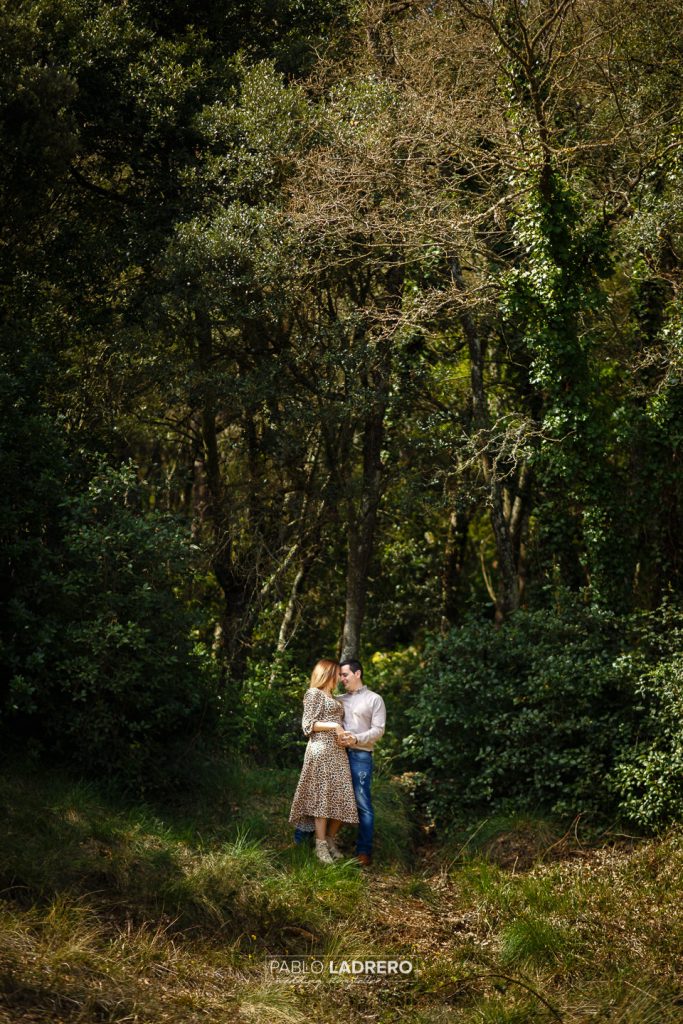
(339, 734)
(346, 739)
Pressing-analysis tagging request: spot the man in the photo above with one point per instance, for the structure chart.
(364, 721)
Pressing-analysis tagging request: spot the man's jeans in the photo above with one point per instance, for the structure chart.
(360, 762)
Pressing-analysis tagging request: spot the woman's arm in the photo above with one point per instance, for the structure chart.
(327, 727)
(314, 705)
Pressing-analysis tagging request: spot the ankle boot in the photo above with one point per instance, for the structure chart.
(322, 852)
(335, 852)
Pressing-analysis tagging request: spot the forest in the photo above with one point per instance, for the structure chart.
(343, 329)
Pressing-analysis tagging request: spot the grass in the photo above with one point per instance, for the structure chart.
(126, 913)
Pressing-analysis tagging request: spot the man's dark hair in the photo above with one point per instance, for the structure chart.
(355, 666)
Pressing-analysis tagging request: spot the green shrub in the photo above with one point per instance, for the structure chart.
(34, 465)
(649, 776)
(270, 712)
(120, 685)
(530, 716)
(391, 673)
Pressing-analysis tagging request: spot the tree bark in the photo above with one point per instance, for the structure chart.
(453, 575)
(508, 596)
(234, 585)
(363, 519)
(362, 533)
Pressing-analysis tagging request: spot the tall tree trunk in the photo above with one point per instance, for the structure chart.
(362, 533)
(519, 524)
(508, 596)
(363, 518)
(234, 586)
(290, 609)
(453, 575)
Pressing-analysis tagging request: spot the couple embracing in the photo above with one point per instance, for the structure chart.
(334, 785)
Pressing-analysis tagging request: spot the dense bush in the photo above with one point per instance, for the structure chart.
(649, 776)
(33, 469)
(391, 674)
(270, 712)
(115, 683)
(532, 715)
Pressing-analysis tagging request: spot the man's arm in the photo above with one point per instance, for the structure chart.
(378, 723)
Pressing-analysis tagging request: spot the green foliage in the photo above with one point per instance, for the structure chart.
(67, 837)
(530, 939)
(649, 776)
(555, 284)
(242, 278)
(531, 715)
(270, 712)
(392, 674)
(116, 683)
(571, 710)
(33, 468)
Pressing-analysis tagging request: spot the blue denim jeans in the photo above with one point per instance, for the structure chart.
(360, 762)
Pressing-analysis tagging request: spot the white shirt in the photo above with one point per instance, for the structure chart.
(365, 715)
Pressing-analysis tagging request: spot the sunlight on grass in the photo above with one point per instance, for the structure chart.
(343, 943)
(497, 1010)
(272, 1003)
(117, 913)
(534, 939)
(633, 1004)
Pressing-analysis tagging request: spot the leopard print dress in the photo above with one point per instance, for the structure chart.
(325, 789)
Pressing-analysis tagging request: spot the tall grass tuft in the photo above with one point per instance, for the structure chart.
(536, 940)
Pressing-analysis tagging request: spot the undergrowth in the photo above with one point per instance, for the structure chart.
(126, 913)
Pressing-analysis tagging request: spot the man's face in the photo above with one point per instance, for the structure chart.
(351, 680)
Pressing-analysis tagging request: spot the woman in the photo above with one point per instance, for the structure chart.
(325, 791)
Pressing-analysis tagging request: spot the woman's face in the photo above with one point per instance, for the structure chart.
(334, 682)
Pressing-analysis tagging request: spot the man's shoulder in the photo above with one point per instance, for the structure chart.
(374, 696)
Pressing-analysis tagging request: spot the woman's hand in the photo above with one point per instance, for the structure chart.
(339, 731)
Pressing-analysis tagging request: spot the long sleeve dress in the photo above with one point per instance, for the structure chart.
(325, 789)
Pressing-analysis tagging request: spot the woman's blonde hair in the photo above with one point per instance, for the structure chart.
(325, 672)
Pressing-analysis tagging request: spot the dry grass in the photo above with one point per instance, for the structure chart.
(114, 914)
